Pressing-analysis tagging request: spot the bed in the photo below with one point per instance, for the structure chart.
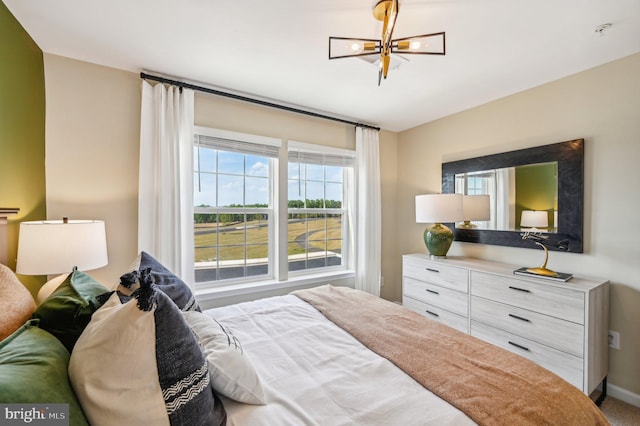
(144, 353)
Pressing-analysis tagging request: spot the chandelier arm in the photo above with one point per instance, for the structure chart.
(387, 12)
(355, 55)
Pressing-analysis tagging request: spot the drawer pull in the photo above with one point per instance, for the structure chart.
(432, 291)
(432, 313)
(524, 290)
(431, 270)
(519, 318)
(524, 348)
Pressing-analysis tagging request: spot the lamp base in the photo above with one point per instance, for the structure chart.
(49, 287)
(438, 239)
(467, 225)
(561, 276)
(543, 271)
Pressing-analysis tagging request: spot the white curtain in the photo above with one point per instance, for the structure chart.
(165, 199)
(368, 216)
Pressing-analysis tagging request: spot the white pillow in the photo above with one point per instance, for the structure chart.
(231, 371)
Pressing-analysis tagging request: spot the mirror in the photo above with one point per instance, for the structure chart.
(519, 198)
(545, 182)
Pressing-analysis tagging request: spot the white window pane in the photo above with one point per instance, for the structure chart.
(297, 257)
(296, 171)
(257, 231)
(230, 162)
(315, 195)
(230, 190)
(297, 229)
(205, 159)
(204, 190)
(334, 174)
(257, 260)
(257, 166)
(334, 193)
(315, 172)
(257, 191)
(316, 225)
(296, 191)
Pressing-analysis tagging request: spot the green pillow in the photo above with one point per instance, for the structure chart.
(33, 369)
(67, 311)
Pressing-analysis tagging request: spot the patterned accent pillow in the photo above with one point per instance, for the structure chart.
(139, 363)
(166, 281)
(232, 372)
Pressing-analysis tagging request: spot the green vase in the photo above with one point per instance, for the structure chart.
(438, 239)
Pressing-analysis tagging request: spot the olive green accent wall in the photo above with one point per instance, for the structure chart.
(22, 127)
(536, 189)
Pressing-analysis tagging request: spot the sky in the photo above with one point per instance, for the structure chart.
(244, 179)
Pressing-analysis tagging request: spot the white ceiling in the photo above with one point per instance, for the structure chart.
(278, 49)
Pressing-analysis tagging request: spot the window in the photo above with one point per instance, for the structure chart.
(233, 207)
(317, 189)
(241, 226)
(479, 183)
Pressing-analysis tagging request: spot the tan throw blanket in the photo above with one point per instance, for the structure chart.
(490, 385)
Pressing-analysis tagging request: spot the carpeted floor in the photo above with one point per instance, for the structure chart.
(620, 413)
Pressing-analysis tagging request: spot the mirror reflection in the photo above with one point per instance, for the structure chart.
(521, 198)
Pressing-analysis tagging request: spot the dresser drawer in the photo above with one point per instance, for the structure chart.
(560, 334)
(558, 302)
(569, 367)
(436, 313)
(436, 295)
(437, 273)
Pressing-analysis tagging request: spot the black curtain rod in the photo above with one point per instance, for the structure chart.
(251, 100)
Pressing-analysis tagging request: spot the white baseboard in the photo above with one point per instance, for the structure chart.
(623, 395)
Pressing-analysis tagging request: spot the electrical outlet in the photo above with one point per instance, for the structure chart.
(614, 339)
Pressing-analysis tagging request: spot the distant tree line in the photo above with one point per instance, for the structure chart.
(239, 217)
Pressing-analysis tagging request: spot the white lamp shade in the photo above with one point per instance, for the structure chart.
(534, 219)
(438, 208)
(54, 247)
(476, 207)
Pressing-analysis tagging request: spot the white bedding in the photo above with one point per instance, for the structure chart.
(314, 373)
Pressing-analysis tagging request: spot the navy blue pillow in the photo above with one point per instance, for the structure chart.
(164, 279)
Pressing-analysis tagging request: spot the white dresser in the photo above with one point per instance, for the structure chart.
(561, 326)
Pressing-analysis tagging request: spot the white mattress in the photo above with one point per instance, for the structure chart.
(314, 373)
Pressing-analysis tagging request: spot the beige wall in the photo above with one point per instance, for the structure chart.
(92, 138)
(601, 105)
(391, 289)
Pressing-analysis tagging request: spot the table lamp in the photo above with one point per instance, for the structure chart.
(534, 219)
(52, 247)
(436, 209)
(474, 207)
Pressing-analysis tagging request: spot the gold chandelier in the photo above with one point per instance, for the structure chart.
(387, 12)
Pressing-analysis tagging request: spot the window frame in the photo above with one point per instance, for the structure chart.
(279, 276)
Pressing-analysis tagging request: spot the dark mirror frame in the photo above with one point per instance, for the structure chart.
(570, 158)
